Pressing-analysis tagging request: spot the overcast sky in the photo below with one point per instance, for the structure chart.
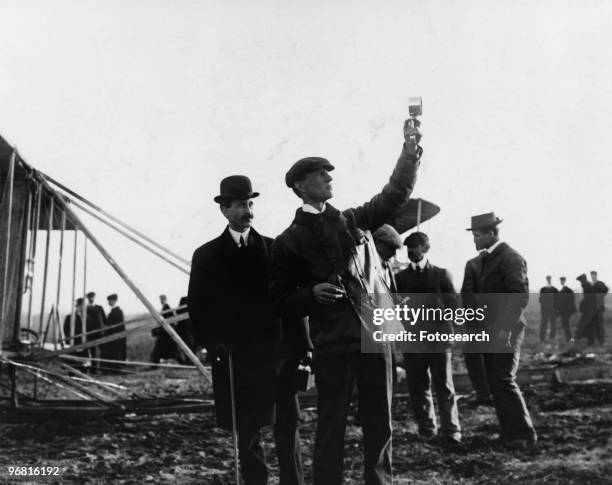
(143, 106)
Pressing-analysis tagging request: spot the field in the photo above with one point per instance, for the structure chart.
(573, 420)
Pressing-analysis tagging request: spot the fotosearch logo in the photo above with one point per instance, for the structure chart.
(412, 315)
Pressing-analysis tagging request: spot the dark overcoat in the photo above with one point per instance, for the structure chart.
(229, 304)
(498, 282)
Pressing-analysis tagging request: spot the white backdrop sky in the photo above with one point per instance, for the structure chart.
(143, 106)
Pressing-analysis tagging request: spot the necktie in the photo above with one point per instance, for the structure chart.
(242, 244)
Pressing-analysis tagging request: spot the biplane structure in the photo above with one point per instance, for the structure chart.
(34, 348)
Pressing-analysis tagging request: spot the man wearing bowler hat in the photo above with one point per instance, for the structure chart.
(317, 272)
(233, 318)
(496, 280)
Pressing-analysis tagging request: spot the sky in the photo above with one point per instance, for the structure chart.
(144, 106)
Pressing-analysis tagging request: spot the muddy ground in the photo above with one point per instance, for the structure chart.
(574, 422)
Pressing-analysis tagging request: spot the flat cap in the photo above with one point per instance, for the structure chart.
(304, 166)
(112, 296)
(91, 294)
(416, 238)
(386, 234)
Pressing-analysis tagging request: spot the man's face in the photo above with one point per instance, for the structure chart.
(316, 186)
(483, 239)
(91, 299)
(562, 280)
(239, 214)
(548, 280)
(111, 303)
(385, 251)
(416, 253)
(594, 277)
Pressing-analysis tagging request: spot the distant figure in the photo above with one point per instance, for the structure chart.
(164, 345)
(588, 308)
(95, 320)
(117, 349)
(184, 328)
(387, 242)
(74, 338)
(600, 289)
(566, 307)
(547, 309)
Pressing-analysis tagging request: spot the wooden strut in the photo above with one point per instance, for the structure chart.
(59, 285)
(137, 326)
(152, 310)
(22, 283)
(46, 269)
(66, 381)
(32, 257)
(8, 240)
(114, 219)
(72, 301)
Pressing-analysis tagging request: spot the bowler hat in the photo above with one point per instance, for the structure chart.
(484, 221)
(304, 166)
(235, 187)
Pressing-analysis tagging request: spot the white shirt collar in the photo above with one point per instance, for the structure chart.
(421, 264)
(236, 236)
(491, 248)
(313, 210)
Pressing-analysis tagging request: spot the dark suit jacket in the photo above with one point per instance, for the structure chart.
(229, 304)
(433, 288)
(500, 282)
(566, 304)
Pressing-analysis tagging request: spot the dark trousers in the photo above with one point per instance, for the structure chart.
(598, 330)
(565, 321)
(474, 363)
(421, 371)
(335, 378)
(500, 369)
(252, 457)
(548, 319)
(286, 429)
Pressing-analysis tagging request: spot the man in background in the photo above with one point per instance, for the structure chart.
(548, 310)
(387, 241)
(95, 321)
(566, 307)
(165, 347)
(116, 349)
(600, 289)
(431, 287)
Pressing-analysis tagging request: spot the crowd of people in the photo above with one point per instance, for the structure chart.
(98, 324)
(562, 303)
(262, 307)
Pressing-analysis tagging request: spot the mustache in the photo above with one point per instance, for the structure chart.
(246, 218)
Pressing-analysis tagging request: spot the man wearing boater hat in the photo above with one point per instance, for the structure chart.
(496, 280)
(316, 272)
(231, 312)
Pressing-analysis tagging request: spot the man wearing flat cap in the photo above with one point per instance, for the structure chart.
(496, 280)
(430, 364)
(233, 318)
(317, 272)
